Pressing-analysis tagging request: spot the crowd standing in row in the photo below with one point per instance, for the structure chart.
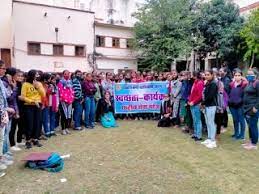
(34, 104)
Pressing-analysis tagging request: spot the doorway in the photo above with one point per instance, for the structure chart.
(6, 56)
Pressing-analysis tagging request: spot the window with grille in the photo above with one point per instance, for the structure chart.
(79, 51)
(129, 43)
(116, 42)
(34, 48)
(58, 50)
(100, 41)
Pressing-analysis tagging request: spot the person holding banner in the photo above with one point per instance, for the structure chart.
(165, 112)
(107, 111)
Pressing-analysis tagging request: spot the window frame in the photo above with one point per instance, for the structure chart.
(115, 40)
(100, 42)
(58, 45)
(29, 50)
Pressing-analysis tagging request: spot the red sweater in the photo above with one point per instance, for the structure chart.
(196, 92)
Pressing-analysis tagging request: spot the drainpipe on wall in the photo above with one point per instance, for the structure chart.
(94, 51)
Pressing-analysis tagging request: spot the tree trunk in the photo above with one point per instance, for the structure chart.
(252, 61)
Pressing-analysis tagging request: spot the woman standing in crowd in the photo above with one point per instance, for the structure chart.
(107, 111)
(222, 99)
(32, 93)
(235, 104)
(107, 84)
(18, 121)
(251, 107)
(210, 103)
(66, 97)
(226, 80)
(51, 106)
(11, 91)
(89, 91)
(6, 158)
(195, 99)
(45, 105)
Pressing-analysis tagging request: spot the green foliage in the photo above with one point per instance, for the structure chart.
(164, 31)
(220, 24)
(250, 33)
(168, 29)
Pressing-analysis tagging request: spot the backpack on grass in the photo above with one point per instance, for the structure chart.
(53, 164)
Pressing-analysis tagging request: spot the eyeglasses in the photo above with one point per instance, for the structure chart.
(3, 68)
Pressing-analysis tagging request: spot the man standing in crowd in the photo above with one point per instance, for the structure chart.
(78, 102)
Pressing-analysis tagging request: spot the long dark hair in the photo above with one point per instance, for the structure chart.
(31, 76)
(197, 74)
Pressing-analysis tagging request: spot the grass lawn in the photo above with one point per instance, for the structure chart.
(138, 157)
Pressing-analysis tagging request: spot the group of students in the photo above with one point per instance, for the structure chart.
(34, 104)
(199, 101)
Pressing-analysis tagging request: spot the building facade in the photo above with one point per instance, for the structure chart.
(53, 35)
(51, 38)
(114, 48)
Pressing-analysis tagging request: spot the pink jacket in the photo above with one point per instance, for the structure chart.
(66, 92)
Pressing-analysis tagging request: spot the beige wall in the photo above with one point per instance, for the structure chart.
(31, 25)
(116, 65)
(5, 24)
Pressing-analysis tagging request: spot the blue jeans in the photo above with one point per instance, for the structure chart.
(210, 121)
(77, 115)
(48, 120)
(238, 120)
(196, 115)
(252, 121)
(89, 111)
(6, 142)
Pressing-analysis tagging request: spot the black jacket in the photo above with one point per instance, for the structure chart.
(251, 97)
(210, 94)
(105, 107)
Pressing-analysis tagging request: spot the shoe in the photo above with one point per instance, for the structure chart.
(37, 143)
(15, 148)
(6, 162)
(2, 166)
(212, 145)
(250, 147)
(48, 136)
(2, 174)
(246, 144)
(78, 128)
(43, 138)
(20, 144)
(136, 119)
(68, 132)
(8, 157)
(193, 137)
(28, 145)
(53, 134)
(198, 139)
(207, 141)
(64, 132)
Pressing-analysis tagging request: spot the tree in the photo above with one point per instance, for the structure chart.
(250, 33)
(220, 25)
(165, 30)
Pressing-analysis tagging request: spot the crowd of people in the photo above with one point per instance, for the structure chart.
(34, 104)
